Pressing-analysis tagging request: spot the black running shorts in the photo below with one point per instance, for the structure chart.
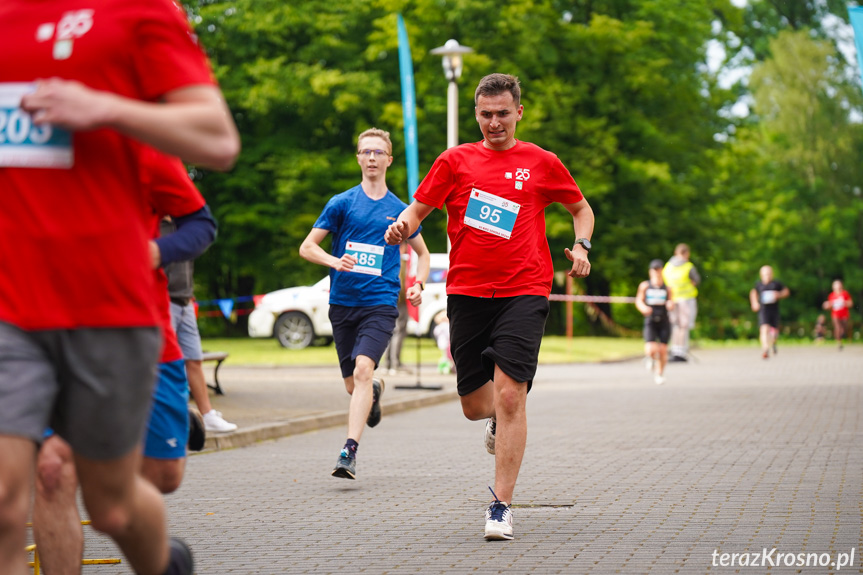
(485, 332)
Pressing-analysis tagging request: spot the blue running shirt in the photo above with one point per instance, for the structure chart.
(353, 217)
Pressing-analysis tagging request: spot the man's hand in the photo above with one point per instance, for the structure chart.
(580, 264)
(155, 255)
(67, 104)
(414, 294)
(345, 263)
(397, 233)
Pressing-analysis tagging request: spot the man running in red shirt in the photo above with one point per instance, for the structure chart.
(79, 343)
(500, 275)
(839, 303)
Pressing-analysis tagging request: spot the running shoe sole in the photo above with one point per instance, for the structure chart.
(375, 414)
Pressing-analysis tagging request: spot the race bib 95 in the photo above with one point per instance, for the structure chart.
(491, 213)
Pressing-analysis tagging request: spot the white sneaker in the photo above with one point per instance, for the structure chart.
(658, 379)
(498, 522)
(214, 422)
(490, 428)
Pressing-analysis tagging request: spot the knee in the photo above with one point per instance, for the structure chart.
(14, 502)
(473, 412)
(112, 521)
(510, 399)
(166, 475)
(363, 372)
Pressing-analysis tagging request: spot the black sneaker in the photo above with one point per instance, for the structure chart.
(181, 561)
(197, 432)
(375, 414)
(346, 466)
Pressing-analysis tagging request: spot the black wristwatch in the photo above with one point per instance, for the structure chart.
(422, 286)
(585, 243)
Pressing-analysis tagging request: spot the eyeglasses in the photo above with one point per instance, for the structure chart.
(368, 153)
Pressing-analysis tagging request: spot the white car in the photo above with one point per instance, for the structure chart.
(298, 316)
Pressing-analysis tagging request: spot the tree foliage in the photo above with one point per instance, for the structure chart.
(618, 89)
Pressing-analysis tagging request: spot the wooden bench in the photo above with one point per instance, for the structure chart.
(218, 357)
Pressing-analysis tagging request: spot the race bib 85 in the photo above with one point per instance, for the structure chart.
(370, 258)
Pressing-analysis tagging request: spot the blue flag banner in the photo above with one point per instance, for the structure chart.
(406, 69)
(227, 306)
(855, 14)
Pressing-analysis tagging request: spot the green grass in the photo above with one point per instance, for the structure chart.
(555, 349)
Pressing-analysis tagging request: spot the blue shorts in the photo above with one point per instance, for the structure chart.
(168, 428)
(361, 331)
(185, 325)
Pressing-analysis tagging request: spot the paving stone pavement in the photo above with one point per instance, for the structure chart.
(733, 454)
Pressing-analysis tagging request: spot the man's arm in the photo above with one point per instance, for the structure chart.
(784, 293)
(753, 300)
(582, 223)
(193, 122)
(414, 293)
(195, 233)
(640, 303)
(311, 250)
(407, 223)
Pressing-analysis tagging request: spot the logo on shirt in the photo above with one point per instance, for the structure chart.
(390, 218)
(522, 174)
(72, 25)
(508, 175)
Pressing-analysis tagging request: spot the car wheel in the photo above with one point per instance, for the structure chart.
(294, 330)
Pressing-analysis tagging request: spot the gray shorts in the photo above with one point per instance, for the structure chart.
(185, 324)
(93, 387)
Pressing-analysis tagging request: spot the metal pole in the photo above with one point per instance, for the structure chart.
(452, 115)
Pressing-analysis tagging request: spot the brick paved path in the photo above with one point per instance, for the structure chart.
(733, 454)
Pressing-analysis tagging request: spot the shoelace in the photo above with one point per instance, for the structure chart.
(498, 507)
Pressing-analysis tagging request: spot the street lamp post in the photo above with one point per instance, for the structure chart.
(451, 52)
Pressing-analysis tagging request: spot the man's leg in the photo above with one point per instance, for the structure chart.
(663, 357)
(165, 474)
(510, 402)
(360, 387)
(764, 337)
(56, 522)
(676, 317)
(128, 508)
(16, 474)
(198, 385)
(185, 325)
(504, 399)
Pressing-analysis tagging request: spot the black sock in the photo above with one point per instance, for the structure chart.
(351, 446)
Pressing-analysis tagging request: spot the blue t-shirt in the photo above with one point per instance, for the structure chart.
(358, 224)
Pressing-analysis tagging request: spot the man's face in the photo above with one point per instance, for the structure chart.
(374, 165)
(497, 117)
(766, 273)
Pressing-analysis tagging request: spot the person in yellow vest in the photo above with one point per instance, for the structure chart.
(681, 276)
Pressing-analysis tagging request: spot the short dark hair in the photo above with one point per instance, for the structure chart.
(496, 84)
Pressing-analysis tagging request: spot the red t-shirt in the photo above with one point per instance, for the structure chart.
(171, 193)
(496, 204)
(839, 304)
(73, 240)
